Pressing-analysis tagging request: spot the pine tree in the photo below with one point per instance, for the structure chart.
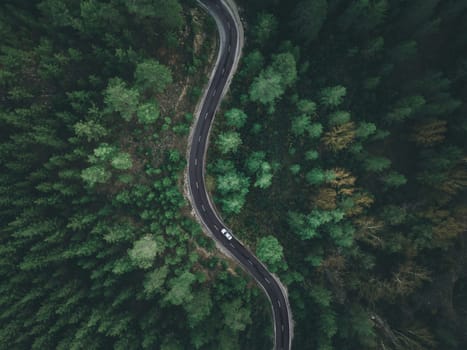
(333, 96)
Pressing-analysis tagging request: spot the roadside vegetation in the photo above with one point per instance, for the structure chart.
(98, 249)
(340, 158)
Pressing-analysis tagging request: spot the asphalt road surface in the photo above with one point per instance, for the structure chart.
(229, 49)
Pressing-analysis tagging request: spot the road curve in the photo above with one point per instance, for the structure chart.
(230, 40)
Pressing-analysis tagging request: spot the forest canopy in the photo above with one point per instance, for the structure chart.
(98, 249)
(351, 167)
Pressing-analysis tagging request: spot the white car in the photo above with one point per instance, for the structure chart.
(226, 234)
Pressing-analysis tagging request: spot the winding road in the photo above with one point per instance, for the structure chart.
(230, 39)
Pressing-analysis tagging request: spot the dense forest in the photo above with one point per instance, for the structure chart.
(340, 158)
(98, 248)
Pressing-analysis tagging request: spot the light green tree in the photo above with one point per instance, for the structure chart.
(96, 174)
(266, 88)
(144, 251)
(231, 182)
(264, 180)
(234, 203)
(102, 153)
(295, 168)
(254, 161)
(272, 82)
(152, 76)
(154, 281)
(236, 316)
(122, 161)
(199, 307)
(311, 155)
(229, 142)
(333, 96)
(284, 64)
(365, 129)
(121, 99)
(270, 251)
(315, 130)
(90, 130)
(180, 291)
(317, 176)
(300, 124)
(235, 118)
(148, 112)
(307, 107)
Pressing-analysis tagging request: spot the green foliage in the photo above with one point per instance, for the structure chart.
(154, 280)
(236, 317)
(229, 142)
(102, 153)
(264, 179)
(266, 88)
(321, 296)
(284, 65)
(307, 107)
(339, 117)
(121, 99)
(231, 182)
(272, 82)
(405, 108)
(359, 325)
(306, 226)
(342, 234)
(256, 164)
(374, 48)
(235, 118)
(394, 215)
(254, 161)
(144, 251)
(252, 63)
(148, 113)
(90, 130)
(95, 174)
(295, 169)
(97, 250)
(394, 179)
(376, 164)
(270, 251)
(365, 129)
(232, 185)
(301, 124)
(360, 229)
(265, 27)
(318, 176)
(167, 12)
(311, 155)
(73, 255)
(122, 161)
(315, 130)
(180, 289)
(199, 307)
(151, 76)
(332, 96)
